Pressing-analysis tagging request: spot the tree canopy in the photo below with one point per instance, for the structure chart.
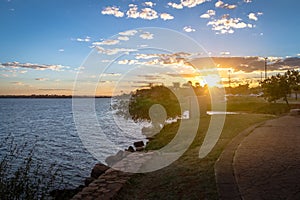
(281, 85)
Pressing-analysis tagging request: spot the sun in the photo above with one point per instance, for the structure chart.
(212, 80)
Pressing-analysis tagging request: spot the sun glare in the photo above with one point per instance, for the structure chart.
(212, 80)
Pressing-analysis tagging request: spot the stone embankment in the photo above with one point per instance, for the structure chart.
(106, 182)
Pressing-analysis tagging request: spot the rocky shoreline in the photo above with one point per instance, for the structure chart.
(104, 182)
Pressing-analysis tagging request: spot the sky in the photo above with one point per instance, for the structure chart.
(64, 46)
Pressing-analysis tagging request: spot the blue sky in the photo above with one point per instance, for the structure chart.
(57, 32)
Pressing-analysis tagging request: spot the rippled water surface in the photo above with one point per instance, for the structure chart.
(48, 125)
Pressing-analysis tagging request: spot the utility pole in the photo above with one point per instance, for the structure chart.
(266, 59)
(229, 79)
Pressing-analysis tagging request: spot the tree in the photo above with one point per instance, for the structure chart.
(280, 86)
(142, 100)
(294, 79)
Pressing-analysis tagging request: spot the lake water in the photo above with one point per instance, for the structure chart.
(48, 125)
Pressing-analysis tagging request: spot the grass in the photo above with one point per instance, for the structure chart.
(190, 177)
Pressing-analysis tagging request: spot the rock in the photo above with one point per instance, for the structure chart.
(88, 180)
(130, 149)
(139, 148)
(98, 169)
(295, 112)
(138, 144)
(61, 194)
(111, 160)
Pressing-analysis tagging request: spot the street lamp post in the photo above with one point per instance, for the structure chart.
(266, 59)
(229, 79)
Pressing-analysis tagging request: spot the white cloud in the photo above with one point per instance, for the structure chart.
(33, 66)
(252, 16)
(188, 29)
(128, 33)
(112, 11)
(175, 5)
(166, 16)
(247, 1)
(148, 13)
(187, 3)
(86, 39)
(113, 51)
(225, 53)
(61, 50)
(145, 13)
(110, 74)
(127, 62)
(221, 4)
(123, 38)
(133, 11)
(106, 42)
(208, 14)
(226, 24)
(146, 56)
(298, 54)
(146, 36)
(149, 3)
(192, 3)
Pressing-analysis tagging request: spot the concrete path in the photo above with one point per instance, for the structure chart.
(263, 162)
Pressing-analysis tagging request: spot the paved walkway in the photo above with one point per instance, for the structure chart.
(263, 162)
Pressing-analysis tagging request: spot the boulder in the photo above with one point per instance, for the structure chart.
(88, 180)
(295, 112)
(98, 169)
(138, 144)
(130, 149)
(139, 148)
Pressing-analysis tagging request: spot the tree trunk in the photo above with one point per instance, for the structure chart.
(286, 100)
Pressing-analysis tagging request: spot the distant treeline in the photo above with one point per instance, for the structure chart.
(50, 96)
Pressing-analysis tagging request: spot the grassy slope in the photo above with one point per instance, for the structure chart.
(189, 177)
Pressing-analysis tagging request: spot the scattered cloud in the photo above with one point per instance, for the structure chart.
(250, 64)
(208, 14)
(112, 11)
(86, 39)
(188, 29)
(127, 62)
(106, 42)
(224, 53)
(187, 3)
(110, 74)
(146, 36)
(221, 4)
(17, 83)
(61, 50)
(33, 66)
(166, 16)
(247, 1)
(128, 33)
(226, 24)
(148, 13)
(133, 11)
(253, 16)
(123, 38)
(145, 13)
(113, 51)
(175, 5)
(40, 79)
(149, 3)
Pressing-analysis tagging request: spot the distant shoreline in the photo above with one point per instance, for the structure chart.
(49, 96)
